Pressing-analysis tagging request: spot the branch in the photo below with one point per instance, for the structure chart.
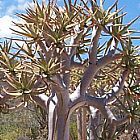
(43, 100)
(85, 82)
(122, 121)
(48, 104)
(92, 68)
(108, 59)
(79, 101)
(75, 41)
(93, 5)
(77, 65)
(94, 123)
(51, 120)
(98, 103)
(43, 49)
(118, 87)
(111, 56)
(66, 69)
(113, 121)
(94, 45)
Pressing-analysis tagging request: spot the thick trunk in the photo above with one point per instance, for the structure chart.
(63, 119)
(62, 111)
(63, 127)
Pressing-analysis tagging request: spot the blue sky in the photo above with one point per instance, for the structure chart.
(9, 7)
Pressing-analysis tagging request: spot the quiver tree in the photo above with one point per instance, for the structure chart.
(79, 57)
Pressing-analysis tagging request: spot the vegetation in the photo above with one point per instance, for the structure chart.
(79, 64)
(16, 124)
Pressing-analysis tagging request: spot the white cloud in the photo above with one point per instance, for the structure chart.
(6, 20)
(6, 24)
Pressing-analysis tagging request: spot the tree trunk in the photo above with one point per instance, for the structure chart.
(93, 124)
(84, 129)
(63, 127)
(81, 124)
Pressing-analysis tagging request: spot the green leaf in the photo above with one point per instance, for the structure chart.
(108, 45)
(12, 93)
(128, 25)
(111, 8)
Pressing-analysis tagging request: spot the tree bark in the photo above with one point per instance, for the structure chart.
(63, 126)
(84, 129)
(79, 124)
(93, 123)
